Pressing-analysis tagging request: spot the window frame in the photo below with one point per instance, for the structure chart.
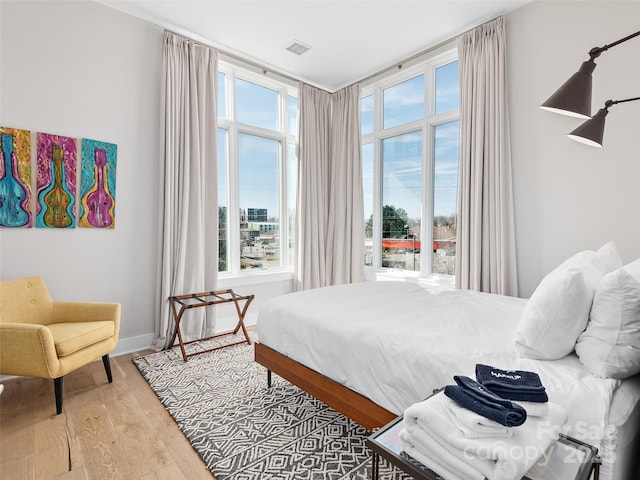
(427, 66)
(234, 128)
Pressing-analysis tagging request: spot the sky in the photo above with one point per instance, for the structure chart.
(401, 155)
(258, 156)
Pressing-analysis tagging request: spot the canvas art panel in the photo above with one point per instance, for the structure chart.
(15, 178)
(56, 181)
(97, 184)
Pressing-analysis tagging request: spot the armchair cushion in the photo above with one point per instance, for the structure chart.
(72, 337)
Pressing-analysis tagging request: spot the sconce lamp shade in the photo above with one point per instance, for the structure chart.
(591, 132)
(573, 98)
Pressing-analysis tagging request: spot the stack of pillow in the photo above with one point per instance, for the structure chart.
(590, 304)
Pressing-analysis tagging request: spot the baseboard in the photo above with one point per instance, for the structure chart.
(229, 323)
(133, 344)
(144, 342)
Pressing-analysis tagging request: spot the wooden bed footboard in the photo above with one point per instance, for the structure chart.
(351, 404)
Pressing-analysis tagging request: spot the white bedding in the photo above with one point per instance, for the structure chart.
(395, 342)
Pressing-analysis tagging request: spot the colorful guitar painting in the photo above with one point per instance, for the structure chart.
(55, 198)
(97, 184)
(15, 178)
(56, 185)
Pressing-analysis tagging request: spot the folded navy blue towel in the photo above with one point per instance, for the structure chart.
(475, 397)
(518, 385)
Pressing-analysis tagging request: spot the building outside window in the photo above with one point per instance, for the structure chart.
(410, 142)
(257, 127)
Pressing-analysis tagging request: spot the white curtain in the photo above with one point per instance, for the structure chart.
(485, 255)
(345, 233)
(188, 247)
(329, 211)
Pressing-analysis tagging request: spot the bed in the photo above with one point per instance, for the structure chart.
(372, 349)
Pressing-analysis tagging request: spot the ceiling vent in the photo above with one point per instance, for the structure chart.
(296, 47)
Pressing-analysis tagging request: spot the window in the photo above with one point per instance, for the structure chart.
(401, 199)
(257, 126)
(410, 138)
(223, 159)
(403, 102)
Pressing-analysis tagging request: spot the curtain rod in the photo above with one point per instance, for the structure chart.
(426, 51)
(262, 68)
(266, 70)
(399, 65)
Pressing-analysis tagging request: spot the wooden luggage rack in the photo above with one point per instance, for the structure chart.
(205, 299)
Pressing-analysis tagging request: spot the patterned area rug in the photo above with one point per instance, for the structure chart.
(244, 430)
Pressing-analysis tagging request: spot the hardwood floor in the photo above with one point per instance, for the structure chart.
(105, 431)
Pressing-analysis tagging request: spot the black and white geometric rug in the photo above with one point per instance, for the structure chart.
(244, 430)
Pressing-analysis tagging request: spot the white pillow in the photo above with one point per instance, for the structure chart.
(610, 346)
(610, 254)
(558, 310)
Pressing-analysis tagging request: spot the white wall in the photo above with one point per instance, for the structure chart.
(568, 196)
(81, 69)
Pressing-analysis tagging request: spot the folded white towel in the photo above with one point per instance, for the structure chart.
(473, 425)
(429, 452)
(535, 409)
(431, 427)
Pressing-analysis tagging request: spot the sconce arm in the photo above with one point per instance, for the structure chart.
(596, 51)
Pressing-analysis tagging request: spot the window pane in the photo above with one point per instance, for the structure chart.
(292, 174)
(223, 232)
(256, 105)
(447, 87)
(445, 183)
(404, 102)
(258, 160)
(367, 188)
(401, 200)
(292, 114)
(366, 115)
(222, 98)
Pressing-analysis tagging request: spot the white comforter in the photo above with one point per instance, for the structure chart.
(395, 342)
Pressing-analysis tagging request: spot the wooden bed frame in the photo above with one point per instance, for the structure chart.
(351, 404)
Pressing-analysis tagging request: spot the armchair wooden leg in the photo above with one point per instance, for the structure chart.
(57, 386)
(107, 367)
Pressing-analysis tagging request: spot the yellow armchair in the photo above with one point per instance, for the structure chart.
(40, 337)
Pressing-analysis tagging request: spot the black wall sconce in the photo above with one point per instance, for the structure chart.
(591, 132)
(573, 98)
